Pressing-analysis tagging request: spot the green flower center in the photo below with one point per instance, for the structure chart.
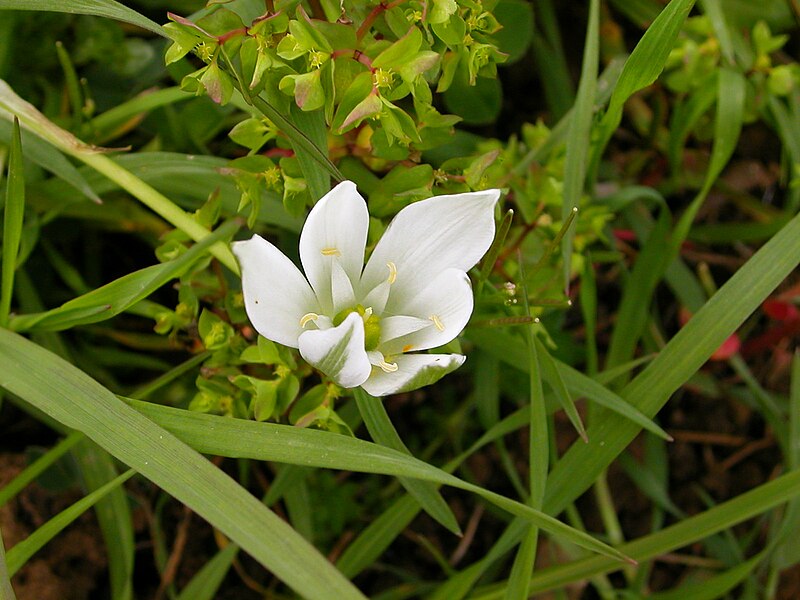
(372, 325)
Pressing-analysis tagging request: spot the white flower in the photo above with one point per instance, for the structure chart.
(357, 324)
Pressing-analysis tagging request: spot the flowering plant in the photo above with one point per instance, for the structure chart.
(360, 324)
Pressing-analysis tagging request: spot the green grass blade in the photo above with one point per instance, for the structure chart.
(6, 591)
(19, 554)
(579, 136)
(101, 8)
(634, 307)
(50, 159)
(731, 92)
(383, 432)
(39, 466)
(372, 542)
(13, 216)
(57, 388)
(553, 378)
(679, 360)
(714, 587)
(511, 350)
(121, 294)
(113, 511)
(641, 69)
(238, 438)
(204, 585)
(313, 125)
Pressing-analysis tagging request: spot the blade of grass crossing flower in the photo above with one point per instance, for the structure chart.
(13, 217)
(6, 591)
(300, 141)
(383, 432)
(731, 91)
(68, 395)
(204, 585)
(101, 8)
(538, 460)
(121, 294)
(677, 361)
(237, 438)
(313, 125)
(641, 69)
(20, 553)
(580, 134)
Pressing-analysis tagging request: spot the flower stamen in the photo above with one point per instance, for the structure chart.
(437, 321)
(392, 272)
(307, 318)
(387, 366)
(333, 251)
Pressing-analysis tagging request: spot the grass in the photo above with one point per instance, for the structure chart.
(627, 421)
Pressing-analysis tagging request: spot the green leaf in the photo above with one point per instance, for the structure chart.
(12, 223)
(19, 554)
(204, 585)
(516, 17)
(55, 387)
(641, 69)
(101, 8)
(383, 432)
(238, 438)
(579, 136)
(676, 363)
(477, 104)
(400, 52)
(6, 591)
(119, 295)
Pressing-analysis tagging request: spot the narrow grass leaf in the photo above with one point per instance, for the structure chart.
(683, 355)
(383, 432)
(551, 374)
(119, 295)
(634, 307)
(97, 467)
(46, 156)
(641, 69)
(71, 397)
(19, 554)
(204, 585)
(714, 587)
(121, 116)
(579, 135)
(238, 438)
(6, 591)
(313, 125)
(509, 349)
(13, 217)
(101, 8)
(39, 466)
(716, 14)
(731, 91)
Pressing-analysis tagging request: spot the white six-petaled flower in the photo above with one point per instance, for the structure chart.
(358, 324)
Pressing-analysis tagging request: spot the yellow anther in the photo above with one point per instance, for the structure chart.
(437, 321)
(330, 252)
(388, 367)
(408, 348)
(307, 318)
(392, 272)
(367, 313)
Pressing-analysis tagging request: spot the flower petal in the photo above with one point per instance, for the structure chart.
(276, 295)
(400, 326)
(336, 229)
(339, 351)
(445, 303)
(413, 371)
(432, 235)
